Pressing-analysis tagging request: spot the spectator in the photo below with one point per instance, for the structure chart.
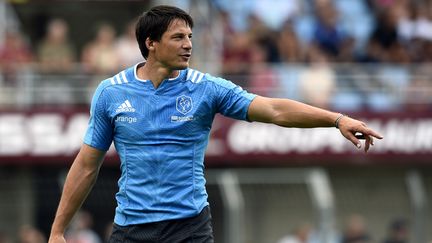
(100, 55)
(80, 229)
(236, 58)
(398, 232)
(407, 22)
(415, 30)
(302, 234)
(384, 45)
(357, 21)
(13, 53)
(262, 79)
(318, 80)
(4, 238)
(260, 32)
(355, 231)
(328, 35)
(127, 48)
(423, 22)
(55, 53)
(227, 28)
(372, 53)
(29, 234)
(289, 46)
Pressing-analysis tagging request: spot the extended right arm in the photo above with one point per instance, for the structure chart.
(79, 181)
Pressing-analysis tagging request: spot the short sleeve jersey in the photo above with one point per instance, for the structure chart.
(161, 136)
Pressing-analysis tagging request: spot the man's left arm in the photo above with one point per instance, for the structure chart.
(290, 113)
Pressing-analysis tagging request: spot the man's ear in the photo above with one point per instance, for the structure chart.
(149, 44)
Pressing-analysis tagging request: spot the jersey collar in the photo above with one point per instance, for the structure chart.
(146, 80)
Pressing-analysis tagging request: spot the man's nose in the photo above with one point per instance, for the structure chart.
(187, 44)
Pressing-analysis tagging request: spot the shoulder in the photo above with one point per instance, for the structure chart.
(196, 77)
(118, 81)
(114, 84)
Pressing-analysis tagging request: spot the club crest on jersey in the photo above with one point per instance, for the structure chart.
(184, 104)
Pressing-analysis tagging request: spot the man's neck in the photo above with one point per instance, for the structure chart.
(155, 73)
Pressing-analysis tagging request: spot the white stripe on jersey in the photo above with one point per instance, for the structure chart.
(201, 75)
(124, 77)
(112, 81)
(189, 74)
(118, 78)
(194, 76)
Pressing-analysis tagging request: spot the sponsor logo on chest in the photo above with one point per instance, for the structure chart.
(126, 106)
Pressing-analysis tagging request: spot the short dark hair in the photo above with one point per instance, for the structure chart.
(153, 23)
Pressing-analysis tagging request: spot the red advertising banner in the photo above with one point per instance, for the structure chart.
(407, 139)
(55, 136)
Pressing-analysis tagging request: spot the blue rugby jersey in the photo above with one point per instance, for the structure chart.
(161, 136)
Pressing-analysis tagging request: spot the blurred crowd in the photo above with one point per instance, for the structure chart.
(354, 230)
(81, 230)
(58, 63)
(56, 53)
(388, 41)
(319, 38)
(377, 31)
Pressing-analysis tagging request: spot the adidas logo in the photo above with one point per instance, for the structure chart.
(125, 107)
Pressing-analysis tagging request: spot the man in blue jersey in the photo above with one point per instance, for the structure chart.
(159, 115)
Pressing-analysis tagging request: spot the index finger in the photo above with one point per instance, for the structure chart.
(370, 132)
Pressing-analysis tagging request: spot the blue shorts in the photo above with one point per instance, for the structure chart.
(196, 229)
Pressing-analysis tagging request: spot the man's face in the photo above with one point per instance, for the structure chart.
(175, 47)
